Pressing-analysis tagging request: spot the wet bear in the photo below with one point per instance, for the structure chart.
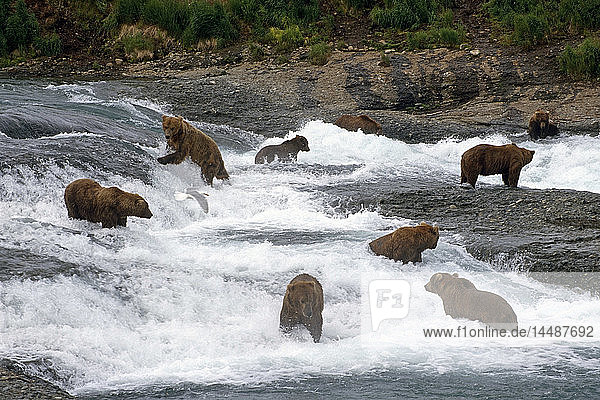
(86, 199)
(284, 152)
(486, 159)
(463, 300)
(407, 243)
(540, 126)
(303, 305)
(189, 141)
(362, 122)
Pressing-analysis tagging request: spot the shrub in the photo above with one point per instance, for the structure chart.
(3, 46)
(529, 29)
(208, 20)
(170, 15)
(583, 61)
(128, 11)
(50, 45)
(418, 40)
(581, 13)
(404, 14)
(286, 40)
(257, 52)
(21, 27)
(319, 53)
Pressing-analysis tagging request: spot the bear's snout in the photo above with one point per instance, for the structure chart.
(307, 311)
(428, 287)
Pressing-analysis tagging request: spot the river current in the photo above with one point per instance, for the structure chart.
(186, 304)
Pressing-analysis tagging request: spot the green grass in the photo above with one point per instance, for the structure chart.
(50, 45)
(582, 61)
(443, 33)
(404, 14)
(580, 13)
(285, 40)
(319, 53)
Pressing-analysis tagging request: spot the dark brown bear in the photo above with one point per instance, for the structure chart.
(362, 122)
(303, 305)
(540, 126)
(285, 152)
(86, 199)
(486, 159)
(462, 300)
(407, 243)
(189, 141)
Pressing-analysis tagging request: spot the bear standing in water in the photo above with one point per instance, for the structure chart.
(188, 141)
(407, 243)
(303, 305)
(462, 300)
(486, 159)
(362, 122)
(285, 152)
(86, 199)
(540, 126)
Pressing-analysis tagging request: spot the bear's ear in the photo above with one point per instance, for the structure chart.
(455, 275)
(291, 287)
(436, 229)
(423, 223)
(532, 152)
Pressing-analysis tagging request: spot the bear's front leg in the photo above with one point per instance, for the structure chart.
(110, 221)
(315, 327)
(505, 178)
(513, 177)
(169, 159)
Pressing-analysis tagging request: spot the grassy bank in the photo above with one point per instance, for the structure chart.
(145, 29)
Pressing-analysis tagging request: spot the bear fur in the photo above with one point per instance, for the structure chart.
(189, 141)
(86, 199)
(303, 305)
(463, 300)
(285, 152)
(540, 126)
(362, 122)
(407, 243)
(486, 159)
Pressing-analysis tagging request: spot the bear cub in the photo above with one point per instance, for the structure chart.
(285, 152)
(303, 305)
(86, 199)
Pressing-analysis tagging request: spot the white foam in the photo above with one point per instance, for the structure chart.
(188, 296)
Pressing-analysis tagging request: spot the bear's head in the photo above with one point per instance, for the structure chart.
(302, 297)
(370, 121)
(442, 282)
(301, 143)
(432, 234)
(527, 155)
(542, 118)
(134, 205)
(173, 128)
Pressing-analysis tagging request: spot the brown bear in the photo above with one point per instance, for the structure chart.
(362, 122)
(462, 300)
(86, 199)
(285, 152)
(407, 243)
(540, 126)
(303, 305)
(189, 141)
(486, 159)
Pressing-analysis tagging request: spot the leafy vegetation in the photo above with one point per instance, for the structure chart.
(20, 32)
(319, 53)
(443, 33)
(582, 61)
